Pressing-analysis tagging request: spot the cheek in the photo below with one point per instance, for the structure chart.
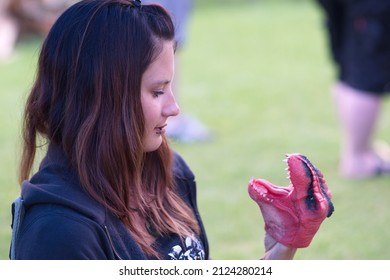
(149, 113)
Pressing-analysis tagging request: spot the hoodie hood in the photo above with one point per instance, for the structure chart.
(56, 182)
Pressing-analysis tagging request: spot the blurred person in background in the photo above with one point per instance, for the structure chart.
(8, 31)
(359, 39)
(183, 128)
(20, 18)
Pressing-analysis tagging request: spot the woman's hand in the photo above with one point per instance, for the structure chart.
(277, 251)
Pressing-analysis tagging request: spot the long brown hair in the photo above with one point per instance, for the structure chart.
(86, 100)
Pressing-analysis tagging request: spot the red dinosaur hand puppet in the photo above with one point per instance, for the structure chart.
(293, 214)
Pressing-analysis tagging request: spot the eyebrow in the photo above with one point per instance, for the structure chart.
(162, 82)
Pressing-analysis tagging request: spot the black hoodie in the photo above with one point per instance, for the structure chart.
(61, 221)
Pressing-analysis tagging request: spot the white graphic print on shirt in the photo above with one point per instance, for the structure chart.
(193, 250)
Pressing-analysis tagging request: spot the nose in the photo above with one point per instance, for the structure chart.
(171, 107)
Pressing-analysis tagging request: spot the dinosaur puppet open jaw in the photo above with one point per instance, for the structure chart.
(293, 214)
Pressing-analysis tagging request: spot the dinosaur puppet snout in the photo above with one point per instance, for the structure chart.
(293, 214)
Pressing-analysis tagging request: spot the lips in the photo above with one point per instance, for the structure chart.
(160, 129)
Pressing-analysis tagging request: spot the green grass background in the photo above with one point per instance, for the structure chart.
(258, 74)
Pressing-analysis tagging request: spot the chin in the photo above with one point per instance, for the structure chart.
(151, 147)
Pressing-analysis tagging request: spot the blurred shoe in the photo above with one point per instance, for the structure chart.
(371, 164)
(382, 149)
(187, 130)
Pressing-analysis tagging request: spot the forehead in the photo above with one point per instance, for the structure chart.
(162, 67)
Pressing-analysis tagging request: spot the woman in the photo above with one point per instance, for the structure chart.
(109, 186)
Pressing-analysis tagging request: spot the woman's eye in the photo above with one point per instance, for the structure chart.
(157, 93)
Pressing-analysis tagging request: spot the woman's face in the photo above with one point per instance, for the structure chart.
(158, 101)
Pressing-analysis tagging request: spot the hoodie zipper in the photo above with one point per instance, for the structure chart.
(111, 243)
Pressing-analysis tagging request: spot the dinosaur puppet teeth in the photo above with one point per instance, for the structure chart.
(293, 214)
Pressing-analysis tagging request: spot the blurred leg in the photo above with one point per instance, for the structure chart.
(358, 114)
